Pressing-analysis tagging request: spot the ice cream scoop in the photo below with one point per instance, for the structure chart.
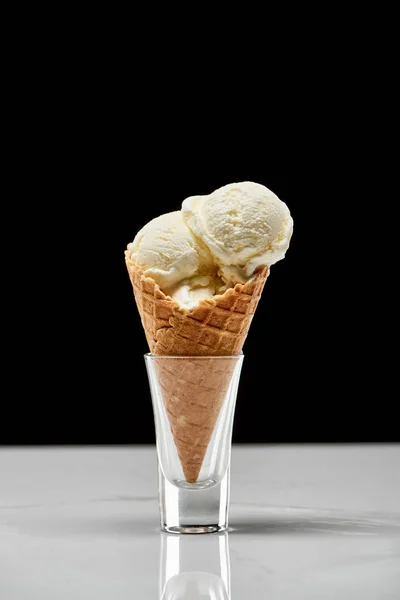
(167, 251)
(244, 225)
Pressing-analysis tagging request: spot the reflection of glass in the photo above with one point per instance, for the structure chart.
(194, 568)
(194, 401)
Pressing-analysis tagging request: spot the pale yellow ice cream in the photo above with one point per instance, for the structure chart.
(244, 225)
(168, 252)
(215, 242)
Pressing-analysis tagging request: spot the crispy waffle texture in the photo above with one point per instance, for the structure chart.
(215, 327)
(193, 391)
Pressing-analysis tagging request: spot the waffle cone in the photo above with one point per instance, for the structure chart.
(193, 391)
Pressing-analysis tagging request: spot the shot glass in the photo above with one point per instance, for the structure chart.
(194, 401)
(194, 568)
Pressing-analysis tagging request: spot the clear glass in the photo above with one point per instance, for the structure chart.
(191, 569)
(194, 401)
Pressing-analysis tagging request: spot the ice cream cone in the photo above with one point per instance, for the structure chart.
(193, 391)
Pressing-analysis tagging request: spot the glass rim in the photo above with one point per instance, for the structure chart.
(150, 355)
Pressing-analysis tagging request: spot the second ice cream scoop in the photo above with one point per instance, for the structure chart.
(244, 225)
(167, 251)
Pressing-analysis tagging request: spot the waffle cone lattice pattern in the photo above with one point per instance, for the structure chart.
(215, 327)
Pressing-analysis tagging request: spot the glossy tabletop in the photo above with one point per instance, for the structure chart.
(320, 521)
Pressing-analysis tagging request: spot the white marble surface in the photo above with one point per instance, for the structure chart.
(306, 522)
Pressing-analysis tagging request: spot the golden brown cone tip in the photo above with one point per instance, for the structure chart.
(193, 391)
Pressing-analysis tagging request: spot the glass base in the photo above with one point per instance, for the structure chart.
(193, 529)
(199, 485)
(194, 508)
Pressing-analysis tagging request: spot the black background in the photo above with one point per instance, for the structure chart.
(100, 155)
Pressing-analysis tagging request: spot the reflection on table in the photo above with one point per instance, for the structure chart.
(194, 567)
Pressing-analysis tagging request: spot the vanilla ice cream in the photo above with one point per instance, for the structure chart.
(168, 252)
(244, 225)
(214, 242)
